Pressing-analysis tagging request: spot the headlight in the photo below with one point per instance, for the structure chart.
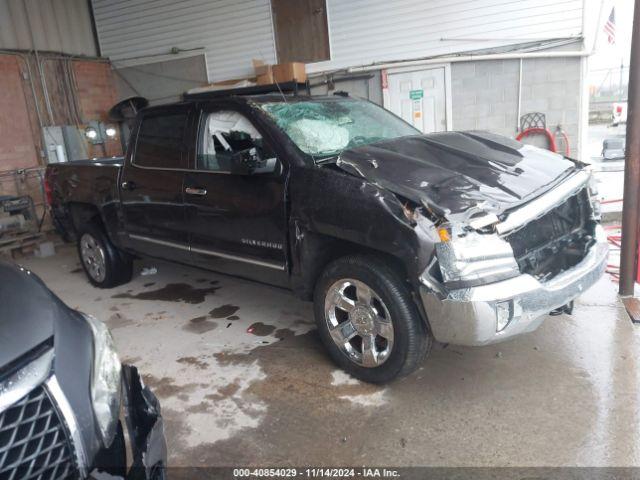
(475, 258)
(105, 381)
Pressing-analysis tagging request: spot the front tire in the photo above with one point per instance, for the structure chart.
(104, 265)
(368, 321)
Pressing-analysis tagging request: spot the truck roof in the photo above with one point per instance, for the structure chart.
(255, 99)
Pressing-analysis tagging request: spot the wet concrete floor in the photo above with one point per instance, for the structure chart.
(243, 379)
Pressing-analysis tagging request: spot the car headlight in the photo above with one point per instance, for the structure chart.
(475, 258)
(105, 380)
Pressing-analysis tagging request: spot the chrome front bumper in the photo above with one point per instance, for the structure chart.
(469, 316)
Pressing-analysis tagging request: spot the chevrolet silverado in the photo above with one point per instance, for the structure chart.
(399, 238)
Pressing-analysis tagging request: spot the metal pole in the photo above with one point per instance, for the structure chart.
(621, 96)
(629, 246)
(45, 93)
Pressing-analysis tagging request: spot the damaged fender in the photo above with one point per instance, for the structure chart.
(344, 214)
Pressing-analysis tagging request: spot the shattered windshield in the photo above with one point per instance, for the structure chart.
(326, 128)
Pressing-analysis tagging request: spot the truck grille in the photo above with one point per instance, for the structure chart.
(34, 442)
(556, 241)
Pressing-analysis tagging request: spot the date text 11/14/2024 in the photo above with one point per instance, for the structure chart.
(315, 472)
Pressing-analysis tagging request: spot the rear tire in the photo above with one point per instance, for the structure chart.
(368, 321)
(104, 265)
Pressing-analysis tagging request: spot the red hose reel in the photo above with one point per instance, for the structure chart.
(535, 124)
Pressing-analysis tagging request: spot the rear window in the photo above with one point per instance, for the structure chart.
(160, 141)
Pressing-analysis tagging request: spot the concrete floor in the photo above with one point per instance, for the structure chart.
(242, 379)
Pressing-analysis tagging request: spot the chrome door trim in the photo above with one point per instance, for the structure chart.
(164, 243)
(184, 170)
(24, 380)
(53, 387)
(261, 263)
(212, 253)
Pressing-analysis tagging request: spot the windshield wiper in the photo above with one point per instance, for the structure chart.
(331, 158)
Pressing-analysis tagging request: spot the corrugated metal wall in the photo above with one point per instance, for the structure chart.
(367, 31)
(232, 32)
(361, 31)
(58, 25)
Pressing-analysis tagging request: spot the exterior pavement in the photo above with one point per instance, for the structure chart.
(243, 380)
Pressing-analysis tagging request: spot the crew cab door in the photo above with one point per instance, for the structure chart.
(236, 219)
(151, 184)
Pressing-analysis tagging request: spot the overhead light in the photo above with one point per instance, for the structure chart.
(111, 131)
(91, 133)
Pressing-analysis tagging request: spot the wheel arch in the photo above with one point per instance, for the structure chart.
(81, 213)
(313, 251)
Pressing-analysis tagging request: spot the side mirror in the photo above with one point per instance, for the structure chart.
(250, 161)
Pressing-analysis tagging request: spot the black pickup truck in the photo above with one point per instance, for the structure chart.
(399, 238)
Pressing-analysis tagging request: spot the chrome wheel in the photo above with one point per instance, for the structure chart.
(93, 257)
(359, 322)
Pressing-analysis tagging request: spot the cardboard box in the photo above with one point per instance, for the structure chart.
(290, 72)
(280, 73)
(264, 72)
(266, 78)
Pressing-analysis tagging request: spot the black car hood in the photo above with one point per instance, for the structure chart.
(28, 312)
(458, 173)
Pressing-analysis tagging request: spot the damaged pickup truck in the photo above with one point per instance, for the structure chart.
(399, 238)
(61, 391)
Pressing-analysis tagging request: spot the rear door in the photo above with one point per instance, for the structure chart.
(236, 222)
(151, 184)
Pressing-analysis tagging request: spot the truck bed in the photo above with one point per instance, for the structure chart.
(89, 182)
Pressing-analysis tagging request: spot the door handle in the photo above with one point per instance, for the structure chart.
(195, 191)
(128, 185)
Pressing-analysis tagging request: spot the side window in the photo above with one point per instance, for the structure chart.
(160, 141)
(224, 133)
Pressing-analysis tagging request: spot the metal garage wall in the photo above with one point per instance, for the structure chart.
(161, 82)
(362, 32)
(57, 25)
(232, 32)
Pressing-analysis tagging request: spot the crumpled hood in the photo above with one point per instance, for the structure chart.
(459, 173)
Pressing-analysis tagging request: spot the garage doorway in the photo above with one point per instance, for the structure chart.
(420, 97)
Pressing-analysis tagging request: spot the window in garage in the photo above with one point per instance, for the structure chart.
(301, 30)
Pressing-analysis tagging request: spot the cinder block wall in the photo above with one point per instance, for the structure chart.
(485, 95)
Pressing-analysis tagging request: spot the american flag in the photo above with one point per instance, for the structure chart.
(610, 27)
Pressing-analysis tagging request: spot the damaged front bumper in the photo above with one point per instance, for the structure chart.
(495, 312)
(145, 431)
(145, 427)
